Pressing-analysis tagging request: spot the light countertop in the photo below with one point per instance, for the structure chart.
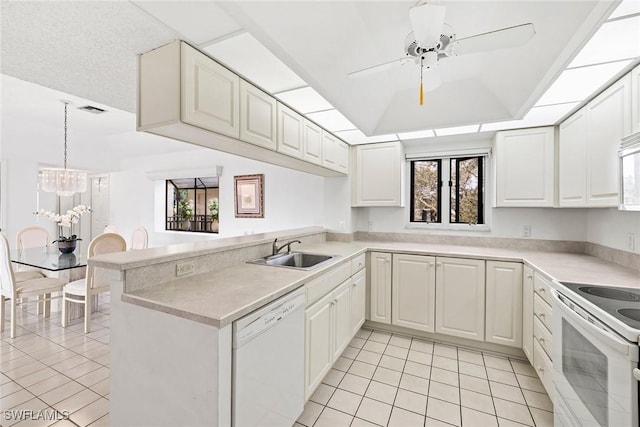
(219, 297)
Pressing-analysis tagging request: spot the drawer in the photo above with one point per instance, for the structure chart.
(542, 287)
(543, 311)
(542, 335)
(544, 368)
(324, 284)
(358, 263)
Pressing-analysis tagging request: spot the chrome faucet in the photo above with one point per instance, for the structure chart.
(275, 249)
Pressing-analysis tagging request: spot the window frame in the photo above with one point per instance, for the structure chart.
(206, 217)
(481, 180)
(445, 202)
(439, 192)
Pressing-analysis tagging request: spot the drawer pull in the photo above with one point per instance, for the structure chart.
(541, 369)
(529, 276)
(541, 290)
(541, 316)
(541, 340)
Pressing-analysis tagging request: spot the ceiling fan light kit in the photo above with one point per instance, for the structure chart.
(432, 39)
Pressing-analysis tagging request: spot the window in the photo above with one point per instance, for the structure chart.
(192, 204)
(465, 200)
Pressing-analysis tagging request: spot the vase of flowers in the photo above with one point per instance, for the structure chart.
(213, 213)
(185, 209)
(67, 241)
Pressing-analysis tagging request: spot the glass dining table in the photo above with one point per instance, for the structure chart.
(52, 263)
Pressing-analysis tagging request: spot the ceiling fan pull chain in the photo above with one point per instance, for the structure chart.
(421, 91)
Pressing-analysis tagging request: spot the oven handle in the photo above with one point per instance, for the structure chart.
(608, 337)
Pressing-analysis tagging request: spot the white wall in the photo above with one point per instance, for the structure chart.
(292, 199)
(611, 227)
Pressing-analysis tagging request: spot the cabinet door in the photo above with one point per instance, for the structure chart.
(504, 303)
(572, 162)
(460, 297)
(377, 177)
(312, 142)
(413, 291)
(210, 94)
(342, 318)
(290, 132)
(358, 300)
(335, 153)
(380, 287)
(525, 168)
(609, 118)
(318, 339)
(527, 313)
(257, 116)
(635, 100)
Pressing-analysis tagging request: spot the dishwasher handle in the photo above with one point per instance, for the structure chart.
(270, 317)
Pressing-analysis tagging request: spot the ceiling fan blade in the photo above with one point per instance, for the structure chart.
(377, 68)
(493, 40)
(427, 20)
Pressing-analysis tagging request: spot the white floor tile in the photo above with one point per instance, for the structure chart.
(333, 378)
(445, 363)
(470, 357)
(399, 352)
(392, 363)
(513, 411)
(471, 418)
(381, 337)
(417, 369)
(403, 418)
(443, 411)
(472, 369)
(411, 401)
(422, 346)
(507, 392)
(345, 401)
(322, 394)
(523, 368)
(419, 357)
(501, 363)
(444, 376)
(400, 341)
(354, 384)
(374, 411)
(369, 357)
(310, 414)
(374, 346)
(387, 376)
(477, 401)
(503, 377)
(538, 400)
(542, 418)
(415, 384)
(445, 351)
(382, 392)
(444, 392)
(362, 369)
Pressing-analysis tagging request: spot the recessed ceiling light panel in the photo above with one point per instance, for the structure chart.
(332, 120)
(537, 116)
(304, 100)
(458, 130)
(416, 135)
(355, 137)
(614, 41)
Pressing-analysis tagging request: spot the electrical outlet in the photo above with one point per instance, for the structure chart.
(370, 226)
(184, 269)
(526, 230)
(631, 241)
(342, 225)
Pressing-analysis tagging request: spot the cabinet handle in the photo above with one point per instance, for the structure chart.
(541, 340)
(529, 276)
(541, 316)
(541, 369)
(439, 264)
(540, 290)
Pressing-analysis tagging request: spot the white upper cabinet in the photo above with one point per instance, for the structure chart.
(504, 303)
(185, 95)
(525, 169)
(378, 175)
(335, 153)
(609, 120)
(635, 100)
(572, 161)
(257, 116)
(210, 94)
(290, 132)
(312, 142)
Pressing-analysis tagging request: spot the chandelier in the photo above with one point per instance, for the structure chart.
(64, 182)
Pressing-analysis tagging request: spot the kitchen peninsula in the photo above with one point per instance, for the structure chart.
(171, 337)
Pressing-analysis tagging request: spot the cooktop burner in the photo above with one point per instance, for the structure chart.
(631, 313)
(621, 303)
(610, 293)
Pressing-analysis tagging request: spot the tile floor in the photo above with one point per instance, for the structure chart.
(47, 371)
(380, 380)
(393, 380)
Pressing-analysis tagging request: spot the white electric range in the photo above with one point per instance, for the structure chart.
(596, 330)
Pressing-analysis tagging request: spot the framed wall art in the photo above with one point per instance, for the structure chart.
(249, 196)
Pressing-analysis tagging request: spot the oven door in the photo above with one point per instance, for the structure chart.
(593, 370)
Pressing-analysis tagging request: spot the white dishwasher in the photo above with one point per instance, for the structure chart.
(268, 364)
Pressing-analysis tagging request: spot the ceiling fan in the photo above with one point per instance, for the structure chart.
(432, 39)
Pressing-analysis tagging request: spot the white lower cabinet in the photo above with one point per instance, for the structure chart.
(335, 312)
(460, 290)
(318, 338)
(380, 287)
(504, 303)
(358, 300)
(342, 318)
(413, 292)
(527, 313)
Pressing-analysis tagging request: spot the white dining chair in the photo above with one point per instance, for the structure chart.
(18, 293)
(82, 291)
(32, 236)
(139, 238)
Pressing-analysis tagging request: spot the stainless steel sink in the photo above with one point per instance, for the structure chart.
(299, 260)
